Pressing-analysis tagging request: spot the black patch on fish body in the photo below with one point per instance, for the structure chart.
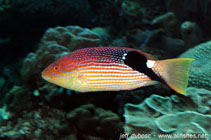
(138, 62)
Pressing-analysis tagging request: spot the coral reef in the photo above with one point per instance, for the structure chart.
(83, 122)
(190, 122)
(190, 10)
(200, 75)
(184, 9)
(137, 13)
(4, 114)
(156, 42)
(4, 4)
(191, 34)
(31, 108)
(131, 8)
(143, 8)
(34, 63)
(72, 37)
(55, 43)
(44, 123)
(155, 114)
(103, 34)
(91, 120)
(15, 95)
(168, 22)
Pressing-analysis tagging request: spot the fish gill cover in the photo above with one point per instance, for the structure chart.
(35, 33)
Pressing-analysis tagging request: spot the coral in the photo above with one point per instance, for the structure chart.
(200, 75)
(4, 114)
(137, 13)
(4, 4)
(165, 46)
(120, 42)
(158, 115)
(9, 76)
(91, 120)
(44, 123)
(131, 8)
(162, 46)
(191, 34)
(14, 96)
(184, 9)
(189, 122)
(198, 99)
(135, 8)
(103, 34)
(34, 63)
(72, 37)
(155, 42)
(138, 119)
(55, 43)
(168, 22)
(190, 10)
(139, 37)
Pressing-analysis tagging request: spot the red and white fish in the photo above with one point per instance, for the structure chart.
(116, 68)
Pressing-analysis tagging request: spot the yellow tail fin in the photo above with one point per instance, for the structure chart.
(175, 73)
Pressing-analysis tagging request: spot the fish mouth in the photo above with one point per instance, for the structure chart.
(45, 77)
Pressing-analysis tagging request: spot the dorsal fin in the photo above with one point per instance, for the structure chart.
(148, 56)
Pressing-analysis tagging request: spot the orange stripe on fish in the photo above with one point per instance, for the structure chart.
(116, 68)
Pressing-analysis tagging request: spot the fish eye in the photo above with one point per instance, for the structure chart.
(56, 68)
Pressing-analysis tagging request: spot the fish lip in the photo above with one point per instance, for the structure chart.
(45, 77)
(42, 76)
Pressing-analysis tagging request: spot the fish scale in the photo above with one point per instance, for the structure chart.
(111, 74)
(114, 69)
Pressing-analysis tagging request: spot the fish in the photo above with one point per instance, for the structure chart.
(115, 69)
